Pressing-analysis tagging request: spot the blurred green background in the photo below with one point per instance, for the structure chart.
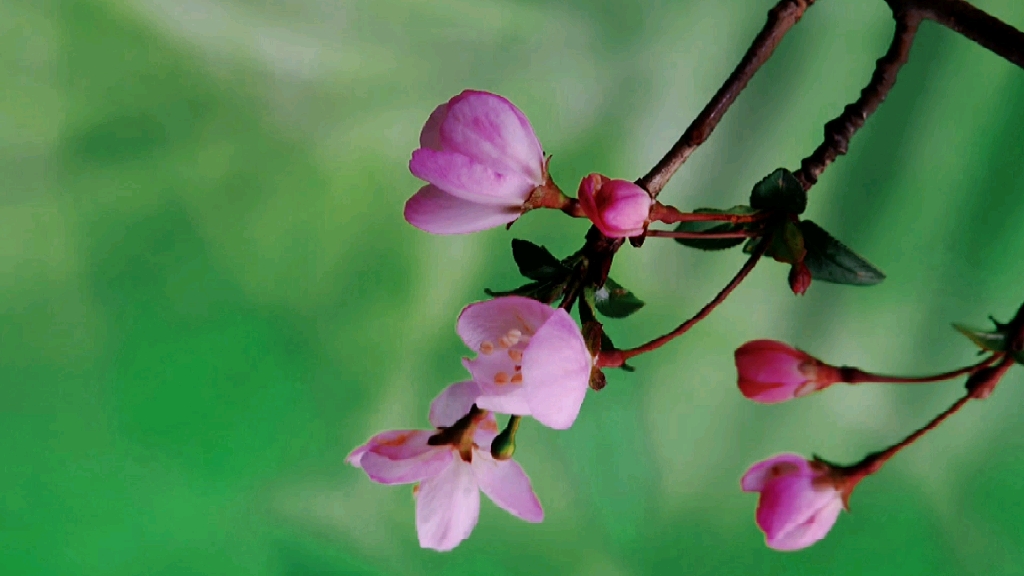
(209, 296)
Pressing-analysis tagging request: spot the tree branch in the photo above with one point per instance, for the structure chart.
(780, 19)
(839, 130)
(963, 18)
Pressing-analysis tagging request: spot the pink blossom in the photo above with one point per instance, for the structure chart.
(532, 359)
(481, 160)
(450, 480)
(618, 208)
(771, 372)
(799, 501)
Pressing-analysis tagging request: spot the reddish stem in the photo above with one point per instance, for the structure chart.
(615, 358)
(852, 375)
(671, 215)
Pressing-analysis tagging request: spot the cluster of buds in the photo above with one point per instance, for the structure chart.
(484, 168)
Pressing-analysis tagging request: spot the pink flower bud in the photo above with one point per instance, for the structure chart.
(771, 372)
(618, 208)
(482, 160)
(799, 278)
(799, 500)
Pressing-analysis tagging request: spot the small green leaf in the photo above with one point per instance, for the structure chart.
(536, 263)
(787, 243)
(614, 301)
(991, 341)
(780, 191)
(829, 260)
(546, 292)
(714, 227)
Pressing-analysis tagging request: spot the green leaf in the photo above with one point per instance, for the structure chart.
(991, 341)
(546, 292)
(780, 191)
(829, 260)
(536, 263)
(614, 301)
(714, 227)
(787, 243)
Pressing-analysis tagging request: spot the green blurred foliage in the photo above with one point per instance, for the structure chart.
(209, 296)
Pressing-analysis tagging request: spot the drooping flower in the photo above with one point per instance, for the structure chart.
(618, 208)
(771, 372)
(532, 359)
(799, 500)
(450, 475)
(481, 159)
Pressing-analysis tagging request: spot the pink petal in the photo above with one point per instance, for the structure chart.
(486, 367)
(403, 456)
(754, 478)
(511, 401)
(468, 179)
(485, 432)
(453, 403)
(430, 136)
(435, 211)
(556, 372)
(789, 502)
(813, 528)
(356, 455)
(491, 319)
(447, 507)
(508, 486)
(492, 131)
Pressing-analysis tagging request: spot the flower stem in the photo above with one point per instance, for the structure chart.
(615, 358)
(852, 375)
(672, 215)
(700, 235)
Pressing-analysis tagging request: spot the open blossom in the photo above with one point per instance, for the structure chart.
(532, 359)
(481, 160)
(771, 372)
(799, 503)
(450, 476)
(619, 208)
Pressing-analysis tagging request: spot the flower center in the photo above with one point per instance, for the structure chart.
(512, 343)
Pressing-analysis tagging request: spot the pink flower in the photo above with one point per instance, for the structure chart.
(799, 502)
(771, 372)
(481, 159)
(450, 477)
(618, 208)
(533, 359)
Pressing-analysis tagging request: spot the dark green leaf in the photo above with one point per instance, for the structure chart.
(546, 292)
(831, 261)
(714, 227)
(614, 301)
(536, 263)
(780, 191)
(787, 243)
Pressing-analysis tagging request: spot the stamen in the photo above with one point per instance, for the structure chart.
(503, 342)
(518, 368)
(486, 347)
(517, 378)
(516, 355)
(501, 378)
(513, 336)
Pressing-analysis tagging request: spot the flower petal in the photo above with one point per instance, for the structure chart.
(788, 502)
(508, 486)
(556, 372)
(491, 130)
(755, 477)
(447, 507)
(466, 178)
(485, 432)
(512, 400)
(435, 211)
(430, 136)
(453, 403)
(813, 528)
(403, 456)
(489, 320)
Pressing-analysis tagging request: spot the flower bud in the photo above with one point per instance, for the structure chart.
(799, 278)
(771, 372)
(799, 501)
(618, 208)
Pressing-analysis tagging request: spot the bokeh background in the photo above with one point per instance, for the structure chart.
(208, 295)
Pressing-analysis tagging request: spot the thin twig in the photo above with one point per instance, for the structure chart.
(839, 130)
(700, 235)
(780, 19)
(963, 18)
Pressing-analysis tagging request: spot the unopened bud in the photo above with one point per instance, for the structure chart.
(504, 444)
(799, 278)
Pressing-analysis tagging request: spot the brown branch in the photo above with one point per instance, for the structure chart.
(963, 18)
(839, 130)
(780, 19)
